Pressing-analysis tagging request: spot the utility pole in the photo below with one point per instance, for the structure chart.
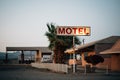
(74, 54)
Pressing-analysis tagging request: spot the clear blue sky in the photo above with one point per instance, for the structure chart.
(23, 22)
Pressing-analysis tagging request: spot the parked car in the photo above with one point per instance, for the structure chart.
(46, 59)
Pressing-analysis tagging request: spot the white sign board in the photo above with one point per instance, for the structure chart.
(73, 30)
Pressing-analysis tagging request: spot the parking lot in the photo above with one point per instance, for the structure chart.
(26, 72)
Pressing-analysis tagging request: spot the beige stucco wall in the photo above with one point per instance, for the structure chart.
(83, 56)
(115, 62)
(106, 64)
(91, 53)
(83, 61)
(112, 63)
(38, 56)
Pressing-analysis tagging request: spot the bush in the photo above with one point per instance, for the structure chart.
(94, 59)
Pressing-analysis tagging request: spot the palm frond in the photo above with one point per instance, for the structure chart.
(49, 28)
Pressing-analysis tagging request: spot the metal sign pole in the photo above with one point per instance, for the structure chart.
(73, 54)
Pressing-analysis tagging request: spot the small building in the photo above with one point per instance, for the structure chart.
(40, 52)
(114, 53)
(96, 47)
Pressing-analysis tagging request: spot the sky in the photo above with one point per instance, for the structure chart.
(23, 22)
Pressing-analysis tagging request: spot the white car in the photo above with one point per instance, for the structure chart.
(46, 59)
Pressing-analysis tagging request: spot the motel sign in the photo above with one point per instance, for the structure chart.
(75, 30)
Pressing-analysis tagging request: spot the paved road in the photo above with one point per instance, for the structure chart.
(26, 72)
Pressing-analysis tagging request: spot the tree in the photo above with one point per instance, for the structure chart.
(94, 59)
(59, 43)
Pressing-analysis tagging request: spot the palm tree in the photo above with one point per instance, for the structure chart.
(59, 44)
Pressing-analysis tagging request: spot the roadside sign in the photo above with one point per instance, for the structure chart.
(73, 30)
